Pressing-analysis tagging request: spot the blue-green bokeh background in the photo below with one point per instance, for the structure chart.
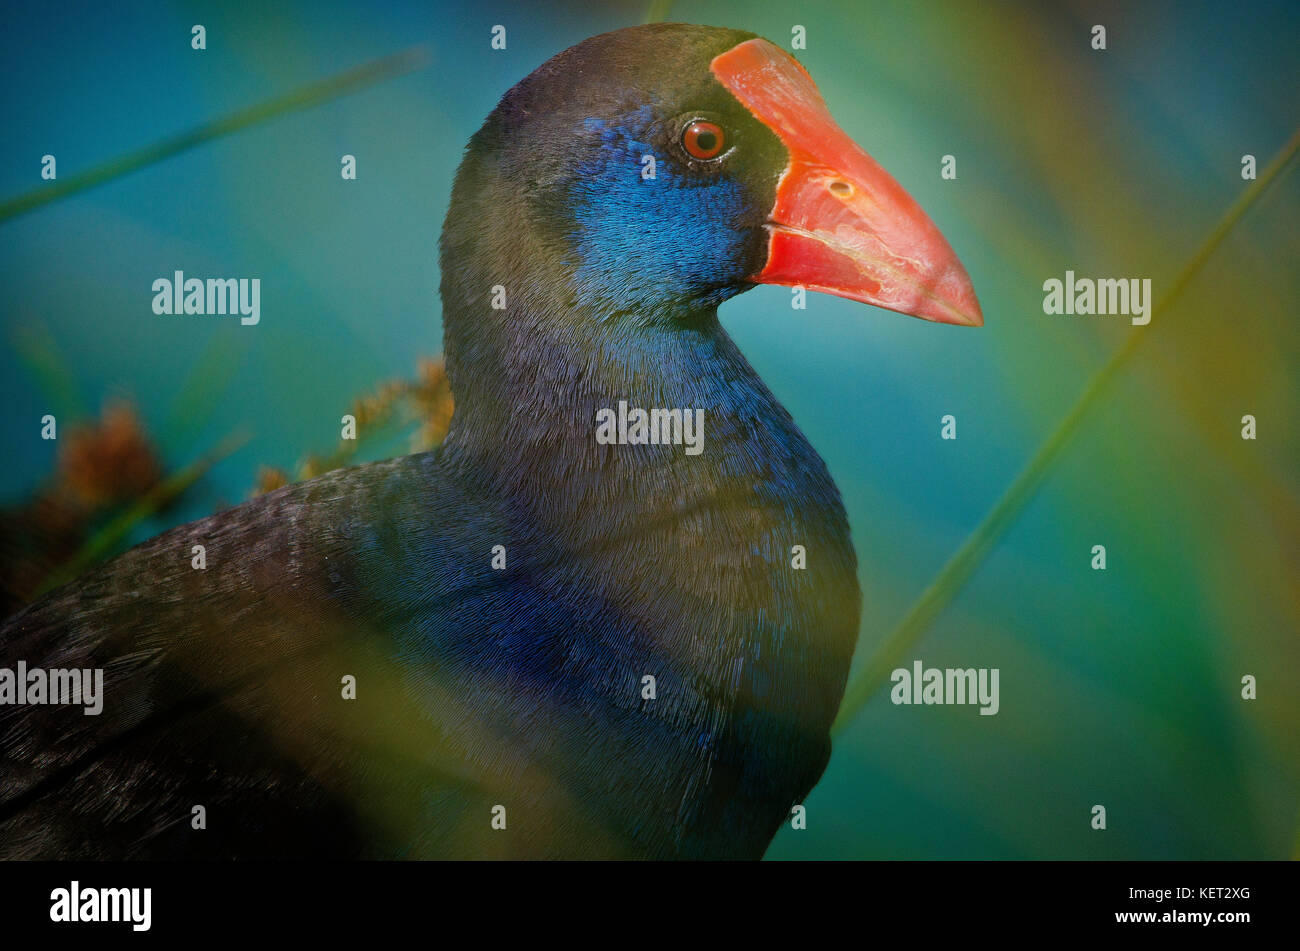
(1118, 687)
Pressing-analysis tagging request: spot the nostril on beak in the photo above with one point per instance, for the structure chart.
(841, 189)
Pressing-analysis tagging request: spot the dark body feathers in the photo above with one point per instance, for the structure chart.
(479, 687)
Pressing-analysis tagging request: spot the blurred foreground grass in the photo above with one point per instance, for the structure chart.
(110, 478)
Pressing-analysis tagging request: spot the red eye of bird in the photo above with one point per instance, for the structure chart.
(703, 140)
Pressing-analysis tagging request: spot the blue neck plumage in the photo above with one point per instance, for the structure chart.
(533, 422)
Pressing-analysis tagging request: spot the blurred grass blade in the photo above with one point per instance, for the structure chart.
(658, 11)
(970, 555)
(39, 352)
(205, 384)
(312, 94)
(117, 530)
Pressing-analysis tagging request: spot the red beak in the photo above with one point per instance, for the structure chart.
(841, 224)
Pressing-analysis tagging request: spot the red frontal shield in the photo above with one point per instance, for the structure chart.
(841, 224)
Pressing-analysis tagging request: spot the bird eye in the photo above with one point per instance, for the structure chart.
(703, 140)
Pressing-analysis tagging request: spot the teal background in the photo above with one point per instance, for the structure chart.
(1119, 687)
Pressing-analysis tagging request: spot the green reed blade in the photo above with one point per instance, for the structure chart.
(954, 575)
(312, 94)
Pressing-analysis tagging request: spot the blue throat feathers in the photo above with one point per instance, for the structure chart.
(630, 261)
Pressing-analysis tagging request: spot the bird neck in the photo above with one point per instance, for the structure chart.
(599, 419)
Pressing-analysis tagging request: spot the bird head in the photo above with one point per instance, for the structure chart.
(653, 172)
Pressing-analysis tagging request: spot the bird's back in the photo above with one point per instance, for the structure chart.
(483, 677)
(223, 685)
